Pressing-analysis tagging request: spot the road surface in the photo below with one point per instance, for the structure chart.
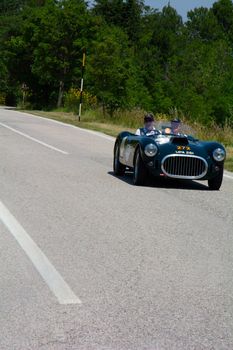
(90, 262)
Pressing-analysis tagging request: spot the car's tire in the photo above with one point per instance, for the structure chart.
(139, 171)
(215, 183)
(118, 168)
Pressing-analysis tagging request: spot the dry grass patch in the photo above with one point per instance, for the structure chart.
(229, 159)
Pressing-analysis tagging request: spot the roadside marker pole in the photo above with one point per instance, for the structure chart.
(81, 88)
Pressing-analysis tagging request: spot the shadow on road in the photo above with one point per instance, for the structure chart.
(164, 182)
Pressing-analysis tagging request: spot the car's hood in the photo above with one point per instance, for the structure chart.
(183, 144)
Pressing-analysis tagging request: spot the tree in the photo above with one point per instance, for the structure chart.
(9, 7)
(125, 14)
(58, 43)
(48, 47)
(223, 11)
(108, 68)
(200, 77)
(161, 38)
(202, 24)
(166, 35)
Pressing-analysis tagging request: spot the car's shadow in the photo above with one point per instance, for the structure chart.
(161, 182)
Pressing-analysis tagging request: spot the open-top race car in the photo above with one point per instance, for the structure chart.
(169, 154)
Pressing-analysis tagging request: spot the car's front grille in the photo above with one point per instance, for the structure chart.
(184, 166)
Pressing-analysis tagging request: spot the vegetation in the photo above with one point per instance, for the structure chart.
(138, 58)
(72, 99)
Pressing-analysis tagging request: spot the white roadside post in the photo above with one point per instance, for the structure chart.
(81, 88)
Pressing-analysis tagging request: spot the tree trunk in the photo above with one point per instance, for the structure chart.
(60, 94)
(104, 108)
(111, 111)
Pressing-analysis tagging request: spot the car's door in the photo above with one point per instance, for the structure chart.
(127, 151)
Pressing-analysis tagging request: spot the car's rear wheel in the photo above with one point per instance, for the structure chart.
(216, 182)
(118, 168)
(140, 171)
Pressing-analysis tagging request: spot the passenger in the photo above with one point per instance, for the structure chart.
(149, 128)
(175, 126)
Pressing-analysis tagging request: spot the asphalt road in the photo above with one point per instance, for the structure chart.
(90, 262)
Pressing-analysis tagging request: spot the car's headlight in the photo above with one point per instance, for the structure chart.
(219, 154)
(151, 150)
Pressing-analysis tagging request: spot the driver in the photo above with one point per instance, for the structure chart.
(149, 128)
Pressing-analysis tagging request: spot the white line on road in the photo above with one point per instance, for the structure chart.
(47, 271)
(96, 133)
(33, 139)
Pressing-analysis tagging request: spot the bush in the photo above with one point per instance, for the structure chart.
(2, 98)
(72, 99)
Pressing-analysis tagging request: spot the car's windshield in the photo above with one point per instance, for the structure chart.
(168, 128)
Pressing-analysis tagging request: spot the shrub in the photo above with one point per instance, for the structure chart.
(72, 99)
(2, 98)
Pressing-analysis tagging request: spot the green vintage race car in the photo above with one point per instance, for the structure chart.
(165, 154)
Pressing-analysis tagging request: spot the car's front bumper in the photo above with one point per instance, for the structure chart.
(183, 167)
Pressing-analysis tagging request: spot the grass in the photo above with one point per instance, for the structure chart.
(229, 160)
(131, 120)
(90, 120)
(223, 135)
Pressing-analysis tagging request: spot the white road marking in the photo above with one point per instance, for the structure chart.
(96, 133)
(33, 139)
(47, 271)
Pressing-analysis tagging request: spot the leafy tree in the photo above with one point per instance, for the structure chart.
(223, 10)
(9, 7)
(199, 79)
(132, 12)
(58, 43)
(202, 24)
(125, 14)
(47, 49)
(111, 11)
(160, 40)
(137, 93)
(9, 27)
(108, 68)
(3, 75)
(166, 35)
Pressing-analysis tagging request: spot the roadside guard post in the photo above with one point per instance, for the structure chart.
(81, 88)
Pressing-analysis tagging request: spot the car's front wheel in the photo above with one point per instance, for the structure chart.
(140, 171)
(118, 168)
(216, 182)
